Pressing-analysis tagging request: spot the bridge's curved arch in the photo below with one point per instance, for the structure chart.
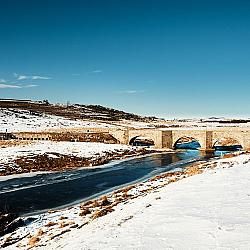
(186, 142)
(141, 141)
(132, 140)
(227, 143)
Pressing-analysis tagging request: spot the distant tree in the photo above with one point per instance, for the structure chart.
(46, 102)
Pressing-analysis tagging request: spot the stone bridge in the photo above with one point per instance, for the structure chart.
(167, 138)
(163, 138)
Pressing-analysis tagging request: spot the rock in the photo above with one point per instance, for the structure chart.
(8, 223)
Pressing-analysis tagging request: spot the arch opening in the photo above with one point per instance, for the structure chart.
(227, 144)
(187, 142)
(141, 141)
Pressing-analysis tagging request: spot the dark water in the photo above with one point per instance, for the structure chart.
(35, 194)
(228, 148)
(196, 145)
(188, 145)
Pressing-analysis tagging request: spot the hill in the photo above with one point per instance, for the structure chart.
(73, 111)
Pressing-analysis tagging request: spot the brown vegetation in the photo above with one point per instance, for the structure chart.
(61, 162)
(11, 143)
(33, 240)
(51, 224)
(102, 212)
(40, 232)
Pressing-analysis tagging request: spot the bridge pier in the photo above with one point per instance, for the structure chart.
(207, 150)
(208, 145)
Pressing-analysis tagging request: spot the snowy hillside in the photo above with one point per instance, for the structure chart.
(15, 120)
(74, 111)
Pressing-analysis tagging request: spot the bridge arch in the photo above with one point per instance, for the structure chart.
(141, 141)
(198, 135)
(153, 135)
(227, 143)
(186, 142)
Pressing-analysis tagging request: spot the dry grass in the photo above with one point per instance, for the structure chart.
(40, 232)
(12, 143)
(51, 224)
(95, 203)
(228, 155)
(87, 203)
(84, 211)
(102, 212)
(65, 224)
(33, 241)
(51, 211)
(104, 201)
(63, 218)
(193, 171)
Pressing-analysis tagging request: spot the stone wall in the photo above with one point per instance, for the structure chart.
(68, 136)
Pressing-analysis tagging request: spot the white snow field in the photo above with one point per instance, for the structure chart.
(206, 211)
(22, 121)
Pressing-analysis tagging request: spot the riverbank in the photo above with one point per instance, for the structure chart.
(205, 211)
(54, 224)
(24, 160)
(62, 156)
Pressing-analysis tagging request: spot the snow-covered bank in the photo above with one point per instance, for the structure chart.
(80, 149)
(204, 211)
(53, 149)
(208, 211)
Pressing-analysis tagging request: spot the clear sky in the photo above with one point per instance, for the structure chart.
(164, 58)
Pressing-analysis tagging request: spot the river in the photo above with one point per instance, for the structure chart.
(38, 193)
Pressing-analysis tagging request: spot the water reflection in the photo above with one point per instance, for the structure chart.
(193, 144)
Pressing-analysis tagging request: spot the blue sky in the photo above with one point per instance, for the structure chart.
(163, 58)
